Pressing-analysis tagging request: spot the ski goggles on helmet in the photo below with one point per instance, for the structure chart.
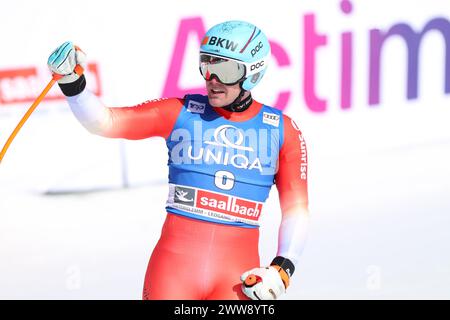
(227, 71)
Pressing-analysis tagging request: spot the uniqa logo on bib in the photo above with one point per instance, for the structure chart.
(223, 139)
(225, 146)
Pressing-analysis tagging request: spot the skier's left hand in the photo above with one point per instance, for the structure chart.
(264, 283)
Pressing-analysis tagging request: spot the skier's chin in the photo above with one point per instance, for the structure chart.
(217, 102)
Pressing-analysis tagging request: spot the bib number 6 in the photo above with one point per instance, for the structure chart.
(224, 180)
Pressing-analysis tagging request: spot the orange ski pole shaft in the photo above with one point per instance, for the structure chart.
(28, 114)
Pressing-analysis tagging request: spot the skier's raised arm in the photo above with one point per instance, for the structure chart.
(148, 119)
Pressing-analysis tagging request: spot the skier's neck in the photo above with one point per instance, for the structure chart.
(251, 110)
(240, 106)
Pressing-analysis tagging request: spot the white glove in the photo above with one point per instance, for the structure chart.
(263, 283)
(68, 61)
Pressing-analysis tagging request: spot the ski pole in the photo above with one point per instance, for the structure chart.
(36, 102)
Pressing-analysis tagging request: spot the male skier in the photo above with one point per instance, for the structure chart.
(226, 150)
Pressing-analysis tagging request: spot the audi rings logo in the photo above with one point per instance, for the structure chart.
(221, 139)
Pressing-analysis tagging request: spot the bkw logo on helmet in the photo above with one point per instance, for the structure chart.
(221, 42)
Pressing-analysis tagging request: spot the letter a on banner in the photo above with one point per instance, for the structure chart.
(171, 87)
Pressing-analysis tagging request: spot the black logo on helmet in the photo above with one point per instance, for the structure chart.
(257, 48)
(256, 65)
(223, 43)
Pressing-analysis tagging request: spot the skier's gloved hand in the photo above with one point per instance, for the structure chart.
(268, 283)
(68, 61)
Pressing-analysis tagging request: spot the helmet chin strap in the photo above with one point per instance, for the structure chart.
(239, 105)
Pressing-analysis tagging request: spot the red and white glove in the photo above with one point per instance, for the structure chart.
(267, 283)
